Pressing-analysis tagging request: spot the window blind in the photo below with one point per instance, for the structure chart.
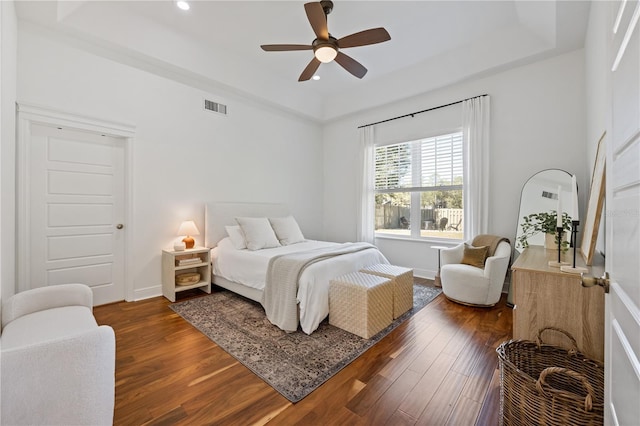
(436, 161)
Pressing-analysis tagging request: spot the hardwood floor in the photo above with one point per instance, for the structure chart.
(437, 368)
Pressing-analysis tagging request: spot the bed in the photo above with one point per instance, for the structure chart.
(246, 272)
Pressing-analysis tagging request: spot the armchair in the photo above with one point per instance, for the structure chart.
(473, 285)
(57, 365)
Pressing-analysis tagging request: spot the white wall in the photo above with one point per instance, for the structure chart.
(537, 122)
(596, 90)
(595, 52)
(8, 44)
(183, 156)
(262, 154)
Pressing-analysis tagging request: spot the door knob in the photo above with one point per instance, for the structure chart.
(590, 281)
(119, 226)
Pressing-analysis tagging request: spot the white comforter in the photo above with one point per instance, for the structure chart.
(250, 268)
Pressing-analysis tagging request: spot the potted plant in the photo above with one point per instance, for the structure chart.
(544, 222)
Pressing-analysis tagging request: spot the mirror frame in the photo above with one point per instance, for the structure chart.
(518, 250)
(594, 205)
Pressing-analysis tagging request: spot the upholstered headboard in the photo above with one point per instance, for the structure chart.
(219, 215)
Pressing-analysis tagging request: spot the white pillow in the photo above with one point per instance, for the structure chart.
(236, 236)
(258, 232)
(287, 230)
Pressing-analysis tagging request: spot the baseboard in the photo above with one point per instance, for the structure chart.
(147, 293)
(424, 273)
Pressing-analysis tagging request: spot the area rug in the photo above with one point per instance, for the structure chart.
(294, 364)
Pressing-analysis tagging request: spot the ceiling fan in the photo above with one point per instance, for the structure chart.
(325, 47)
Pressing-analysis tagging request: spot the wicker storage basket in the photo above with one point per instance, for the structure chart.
(188, 278)
(543, 384)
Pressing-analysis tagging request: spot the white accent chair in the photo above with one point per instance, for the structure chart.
(57, 365)
(470, 285)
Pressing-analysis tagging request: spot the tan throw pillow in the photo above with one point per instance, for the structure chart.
(474, 256)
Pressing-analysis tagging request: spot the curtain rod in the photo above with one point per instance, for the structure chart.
(419, 112)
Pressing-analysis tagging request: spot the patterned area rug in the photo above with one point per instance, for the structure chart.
(294, 364)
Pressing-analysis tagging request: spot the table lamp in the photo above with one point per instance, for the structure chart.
(188, 228)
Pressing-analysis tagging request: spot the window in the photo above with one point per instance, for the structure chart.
(418, 187)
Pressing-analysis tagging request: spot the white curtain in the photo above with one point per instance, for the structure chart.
(366, 197)
(475, 127)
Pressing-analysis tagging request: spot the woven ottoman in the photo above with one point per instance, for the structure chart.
(361, 304)
(402, 280)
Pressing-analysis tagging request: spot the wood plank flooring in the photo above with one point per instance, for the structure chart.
(437, 368)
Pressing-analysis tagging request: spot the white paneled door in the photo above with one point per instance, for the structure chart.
(76, 210)
(622, 309)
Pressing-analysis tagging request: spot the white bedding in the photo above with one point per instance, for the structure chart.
(250, 268)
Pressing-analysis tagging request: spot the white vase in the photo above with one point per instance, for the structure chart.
(550, 241)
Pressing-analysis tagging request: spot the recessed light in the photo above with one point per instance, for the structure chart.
(315, 77)
(183, 5)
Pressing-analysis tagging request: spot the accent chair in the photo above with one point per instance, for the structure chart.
(473, 274)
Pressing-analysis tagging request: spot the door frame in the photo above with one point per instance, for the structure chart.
(29, 114)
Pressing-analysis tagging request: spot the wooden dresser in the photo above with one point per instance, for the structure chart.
(544, 296)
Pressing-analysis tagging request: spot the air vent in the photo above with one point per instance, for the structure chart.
(215, 107)
(549, 195)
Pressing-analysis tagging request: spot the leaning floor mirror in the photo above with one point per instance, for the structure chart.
(540, 195)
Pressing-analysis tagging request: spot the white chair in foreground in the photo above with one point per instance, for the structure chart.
(473, 274)
(57, 365)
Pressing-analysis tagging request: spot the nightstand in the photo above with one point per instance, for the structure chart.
(175, 263)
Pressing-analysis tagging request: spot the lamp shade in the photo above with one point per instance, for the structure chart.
(188, 227)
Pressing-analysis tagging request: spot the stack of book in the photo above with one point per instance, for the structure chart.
(189, 261)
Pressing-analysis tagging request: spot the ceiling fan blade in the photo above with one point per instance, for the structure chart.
(285, 47)
(351, 65)
(310, 69)
(364, 38)
(317, 19)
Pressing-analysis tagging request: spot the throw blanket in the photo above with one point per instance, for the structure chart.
(279, 297)
(490, 241)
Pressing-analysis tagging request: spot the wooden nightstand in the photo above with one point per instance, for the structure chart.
(175, 263)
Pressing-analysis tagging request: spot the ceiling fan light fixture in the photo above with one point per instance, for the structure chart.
(327, 48)
(325, 53)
